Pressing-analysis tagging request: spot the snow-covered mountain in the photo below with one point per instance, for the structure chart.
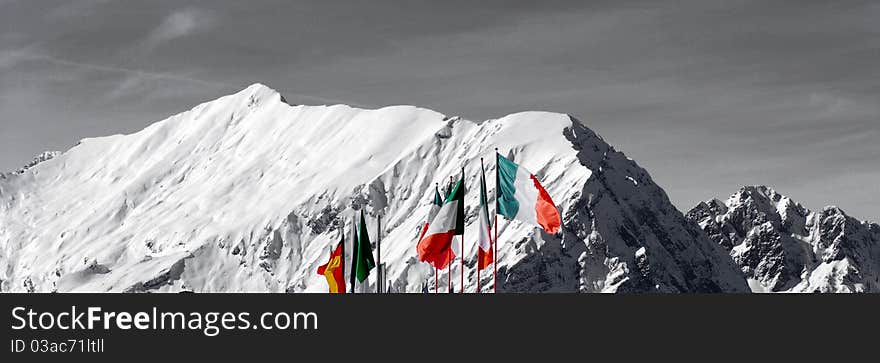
(248, 193)
(782, 246)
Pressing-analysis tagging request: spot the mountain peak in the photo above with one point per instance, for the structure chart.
(258, 88)
(833, 209)
(257, 94)
(755, 188)
(756, 192)
(782, 246)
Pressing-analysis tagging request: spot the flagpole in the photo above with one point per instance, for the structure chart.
(436, 271)
(495, 263)
(448, 252)
(342, 242)
(482, 176)
(354, 250)
(449, 271)
(495, 245)
(462, 235)
(449, 257)
(379, 278)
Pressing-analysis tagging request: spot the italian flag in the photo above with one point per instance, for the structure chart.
(521, 197)
(484, 254)
(333, 269)
(436, 245)
(435, 208)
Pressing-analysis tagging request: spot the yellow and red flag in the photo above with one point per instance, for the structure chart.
(333, 270)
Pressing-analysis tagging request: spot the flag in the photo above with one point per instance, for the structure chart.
(521, 197)
(332, 270)
(353, 253)
(435, 207)
(484, 241)
(436, 246)
(365, 261)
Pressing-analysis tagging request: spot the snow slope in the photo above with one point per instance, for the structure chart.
(248, 193)
(782, 246)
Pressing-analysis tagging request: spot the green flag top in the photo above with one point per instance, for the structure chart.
(365, 261)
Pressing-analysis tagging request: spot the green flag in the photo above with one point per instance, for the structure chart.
(457, 194)
(365, 261)
(438, 201)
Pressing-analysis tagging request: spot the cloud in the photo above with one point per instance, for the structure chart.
(136, 79)
(72, 9)
(178, 24)
(9, 58)
(113, 69)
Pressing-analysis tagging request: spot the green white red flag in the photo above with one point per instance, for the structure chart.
(521, 197)
(436, 245)
(435, 208)
(484, 241)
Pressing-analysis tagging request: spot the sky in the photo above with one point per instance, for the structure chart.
(708, 96)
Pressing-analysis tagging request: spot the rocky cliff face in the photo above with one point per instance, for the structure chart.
(782, 246)
(248, 193)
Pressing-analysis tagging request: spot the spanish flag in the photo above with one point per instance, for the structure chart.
(333, 270)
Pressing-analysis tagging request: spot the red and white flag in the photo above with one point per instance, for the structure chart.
(435, 247)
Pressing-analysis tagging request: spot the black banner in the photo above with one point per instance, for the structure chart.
(172, 326)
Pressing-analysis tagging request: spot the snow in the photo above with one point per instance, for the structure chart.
(829, 277)
(247, 193)
(756, 286)
(641, 252)
(226, 173)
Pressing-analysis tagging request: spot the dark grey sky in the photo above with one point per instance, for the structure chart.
(707, 95)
